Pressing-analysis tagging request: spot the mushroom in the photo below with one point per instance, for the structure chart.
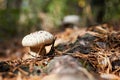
(71, 20)
(37, 41)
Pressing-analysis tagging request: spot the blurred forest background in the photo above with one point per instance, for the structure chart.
(19, 17)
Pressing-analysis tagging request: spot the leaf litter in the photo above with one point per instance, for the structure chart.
(92, 54)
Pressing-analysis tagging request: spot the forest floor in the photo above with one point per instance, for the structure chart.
(78, 54)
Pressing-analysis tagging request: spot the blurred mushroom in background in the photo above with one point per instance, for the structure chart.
(71, 21)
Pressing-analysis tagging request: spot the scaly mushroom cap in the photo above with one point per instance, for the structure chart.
(38, 38)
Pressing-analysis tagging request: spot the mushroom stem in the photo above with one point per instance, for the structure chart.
(38, 50)
(35, 49)
(41, 50)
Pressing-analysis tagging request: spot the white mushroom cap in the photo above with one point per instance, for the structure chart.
(37, 38)
(73, 19)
